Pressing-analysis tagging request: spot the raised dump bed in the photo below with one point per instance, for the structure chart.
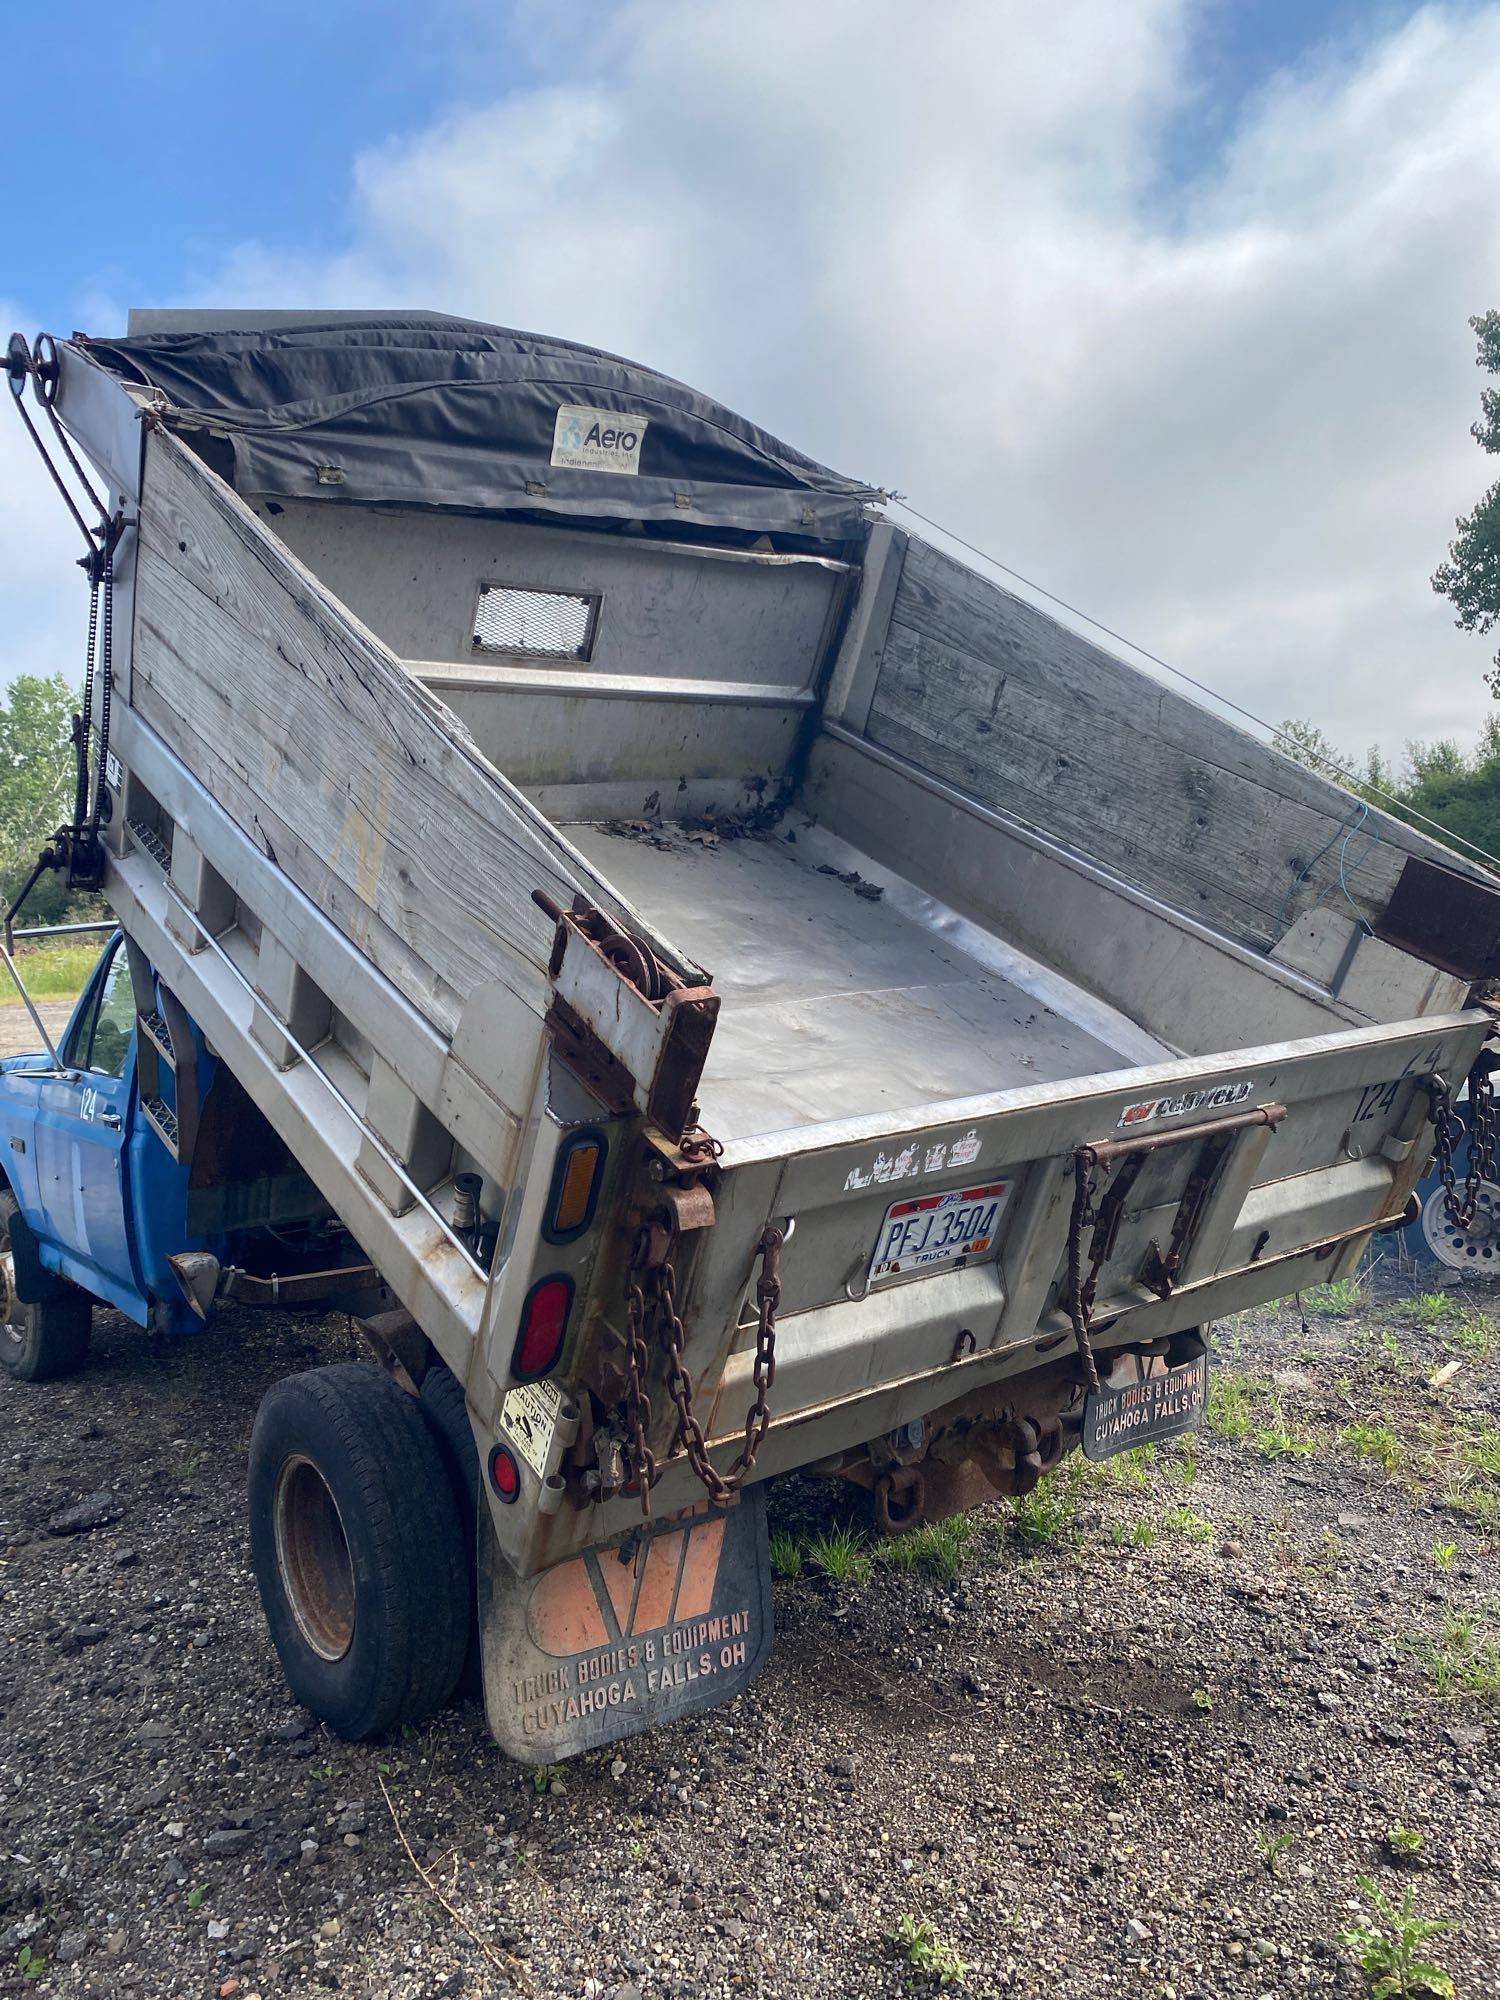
(755, 994)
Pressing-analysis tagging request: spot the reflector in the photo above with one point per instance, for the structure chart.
(505, 1474)
(544, 1322)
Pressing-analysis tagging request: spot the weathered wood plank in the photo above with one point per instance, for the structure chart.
(1025, 716)
(299, 719)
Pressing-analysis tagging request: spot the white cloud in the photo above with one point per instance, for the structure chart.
(932, 246)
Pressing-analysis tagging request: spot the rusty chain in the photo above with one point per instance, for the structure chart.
(1448, 1134)
(1081, 1289)
(651, 1304)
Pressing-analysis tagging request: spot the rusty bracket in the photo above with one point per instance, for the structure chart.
(399, 1345)
(645, 1052)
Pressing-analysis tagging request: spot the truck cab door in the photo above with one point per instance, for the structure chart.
(82, 1128)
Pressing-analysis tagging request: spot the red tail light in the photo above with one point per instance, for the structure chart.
(544, 1326)
(505, 1474)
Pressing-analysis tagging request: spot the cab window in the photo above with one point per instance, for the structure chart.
(100, 1040)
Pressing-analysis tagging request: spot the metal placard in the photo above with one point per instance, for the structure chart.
(627, 1636)
(1162, 1400)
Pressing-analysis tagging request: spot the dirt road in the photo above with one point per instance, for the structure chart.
(1142, 1740)
(18, 1036)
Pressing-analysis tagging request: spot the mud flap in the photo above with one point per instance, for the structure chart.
(625, 1636)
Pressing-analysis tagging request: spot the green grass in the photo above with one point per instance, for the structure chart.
(840, 1554)
(1426, 1309)
(937, 1549)
(58, 973)
(1476, 1333)
(786, 1554)
(1373, 1441)
(1183, 1521)
(1483, 1451)
(1130, 1468)
(1047, 1512)
(1231, 1404)
(1335, 1301)
(1461, 1663)
(1275, 1441)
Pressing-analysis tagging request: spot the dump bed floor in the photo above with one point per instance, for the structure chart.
(837, 1002)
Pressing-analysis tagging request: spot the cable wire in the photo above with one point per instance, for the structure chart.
(1399, 806)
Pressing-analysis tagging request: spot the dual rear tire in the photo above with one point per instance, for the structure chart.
(361, 1550)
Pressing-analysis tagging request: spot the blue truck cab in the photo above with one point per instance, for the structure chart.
(97, 1206)
(99, 1192)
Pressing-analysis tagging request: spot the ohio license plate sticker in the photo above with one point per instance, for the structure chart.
(928, 1232)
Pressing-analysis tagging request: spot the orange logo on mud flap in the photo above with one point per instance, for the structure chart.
(596, 1600)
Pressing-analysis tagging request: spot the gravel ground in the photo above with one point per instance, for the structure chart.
(1144, 1741)
(18, 1036)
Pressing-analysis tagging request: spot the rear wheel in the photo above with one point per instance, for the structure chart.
(40, 1339)
(357, 1547)
(443, 1402)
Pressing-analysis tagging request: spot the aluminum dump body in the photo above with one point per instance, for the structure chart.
(511, 744)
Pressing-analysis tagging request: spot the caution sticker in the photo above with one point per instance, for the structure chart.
(529, 1417)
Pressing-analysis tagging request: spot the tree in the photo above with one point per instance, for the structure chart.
(1470, 577)
(1441, 786)
(37, 776)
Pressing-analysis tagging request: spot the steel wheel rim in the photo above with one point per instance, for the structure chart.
(1476, 1249)
(12, 1330)
(312, 1554)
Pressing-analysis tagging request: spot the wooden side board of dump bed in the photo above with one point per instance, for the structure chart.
(371, 798)
(1026, 717)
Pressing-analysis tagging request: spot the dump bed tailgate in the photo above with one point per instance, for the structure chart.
(1211, 1186)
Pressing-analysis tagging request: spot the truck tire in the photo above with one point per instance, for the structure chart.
(357, 1548)
(40, 1339)
(443, 1404)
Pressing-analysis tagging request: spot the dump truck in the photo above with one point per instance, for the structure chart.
(715, 985)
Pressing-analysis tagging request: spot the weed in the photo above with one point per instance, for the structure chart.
(1426, 1309)
(1483, 1451)
(1183, 1521)
(1392, 1957)
(1276, 1441)
(840, 1554)
(1443, 1554)
(1271, 1847)
(923, 1950)
(1335, 1301)
(786, 1554)
(1130, 1468)
(938, 1548)
(1374, 1441)
(1401, 1843)
(195, 1896)
(30, 1964)
(1185, 1464)
(1139, 1535)
(1201, 1698)
(542, 1776)
(1231, 1406)
(1046, 1512)
(1476, 1333)
(1460, 1664)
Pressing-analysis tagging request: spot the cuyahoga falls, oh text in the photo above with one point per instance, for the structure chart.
(634, 1670)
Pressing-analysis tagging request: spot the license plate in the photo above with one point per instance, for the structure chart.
(928, 1232)
(1162, 1401)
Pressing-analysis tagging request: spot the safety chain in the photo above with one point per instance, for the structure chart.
(651, 1304)
(1448, 1134)
(1081, 1289)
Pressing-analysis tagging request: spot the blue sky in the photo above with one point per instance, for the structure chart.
(1165, 302)
(225, 125)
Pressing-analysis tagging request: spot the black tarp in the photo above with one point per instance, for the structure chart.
(422, 410)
